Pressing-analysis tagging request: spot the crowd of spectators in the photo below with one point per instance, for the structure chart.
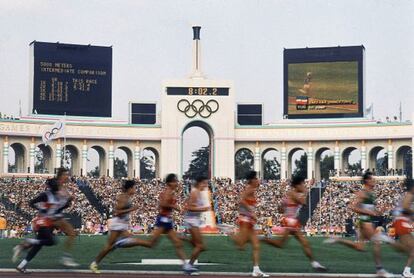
(333, 212)
(15, 224)
(19, 191)
(270, 194)
(330, 214)
(376, 171)
(146, 197)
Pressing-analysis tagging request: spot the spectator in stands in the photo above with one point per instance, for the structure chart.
(3, 225)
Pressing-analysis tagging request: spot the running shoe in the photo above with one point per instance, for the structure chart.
(407, 274)
(317, 266)
(69, 262)
(383, 273)
(22, 270)
(259, 273)
(17, 250)
(94, 268)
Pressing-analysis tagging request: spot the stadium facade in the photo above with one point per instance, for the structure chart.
(227, 138)
(209, 104)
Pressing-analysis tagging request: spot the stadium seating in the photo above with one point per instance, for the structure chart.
(94, 200)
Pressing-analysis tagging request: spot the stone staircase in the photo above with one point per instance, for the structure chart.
(13, 207)
(92, 198)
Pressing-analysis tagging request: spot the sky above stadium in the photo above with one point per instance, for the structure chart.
(242, 41)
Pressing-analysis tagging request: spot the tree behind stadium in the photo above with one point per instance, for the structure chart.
(120, 168)
(243, 163)
(301, 166)
(199, 164)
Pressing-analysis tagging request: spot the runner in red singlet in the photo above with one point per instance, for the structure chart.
(295, 198)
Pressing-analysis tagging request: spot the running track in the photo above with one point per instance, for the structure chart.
(84, 274)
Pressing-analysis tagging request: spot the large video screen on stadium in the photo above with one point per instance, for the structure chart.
(72, 79)
(323, 82)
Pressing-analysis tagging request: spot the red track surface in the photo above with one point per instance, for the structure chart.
(116, 275)
(103, 275)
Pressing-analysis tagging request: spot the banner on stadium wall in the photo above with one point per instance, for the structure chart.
(54, 132)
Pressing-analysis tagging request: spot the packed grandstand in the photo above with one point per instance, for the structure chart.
(95, 197)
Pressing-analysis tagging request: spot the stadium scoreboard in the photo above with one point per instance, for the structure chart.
(324, 82)
(143, 113)
(197, 91)
(72, 79)
(250, 114)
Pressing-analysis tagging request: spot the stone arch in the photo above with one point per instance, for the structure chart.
(404, 160)
(210, 132)
(129, 160)
(267, 173)
(100, 152)
(43, 159)
(17, 158)
(243, 162)
(71, 159)
(351, 161)
(327, 170)
(154, 159)
(378, 162)
(294, 154)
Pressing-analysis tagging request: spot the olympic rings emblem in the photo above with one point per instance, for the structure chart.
(198, 107)
(51, 134)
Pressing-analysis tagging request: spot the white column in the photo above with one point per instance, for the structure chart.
(283, 163)
(84, 159)
(111, 161)
(311, 166)
(59, 153)
(390, 152)
(5, 157)
(364, 164)
(32, 158)
(256, 164)
(137, 160)
(337, 160)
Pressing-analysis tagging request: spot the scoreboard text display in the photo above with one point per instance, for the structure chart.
(72, 79)
(323, 82)
(197, 91)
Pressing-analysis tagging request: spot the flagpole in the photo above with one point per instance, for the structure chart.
(372, 111)
(64, 140)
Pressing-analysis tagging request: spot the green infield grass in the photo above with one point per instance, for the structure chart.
(221, 251)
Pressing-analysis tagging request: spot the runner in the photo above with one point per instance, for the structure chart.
(45, 203)
(164, 222)
(247, 220)
(295, 198)
(192, 220)
(119, 235)
(62, 177)
(364, 206)
(403, 225)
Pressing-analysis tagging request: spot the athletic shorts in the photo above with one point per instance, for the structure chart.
(192, 221)
(41, 222)
(245, 220)
(164, 222)
(291, 223)
(118, 225)
(46, 235)
(402, 226)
